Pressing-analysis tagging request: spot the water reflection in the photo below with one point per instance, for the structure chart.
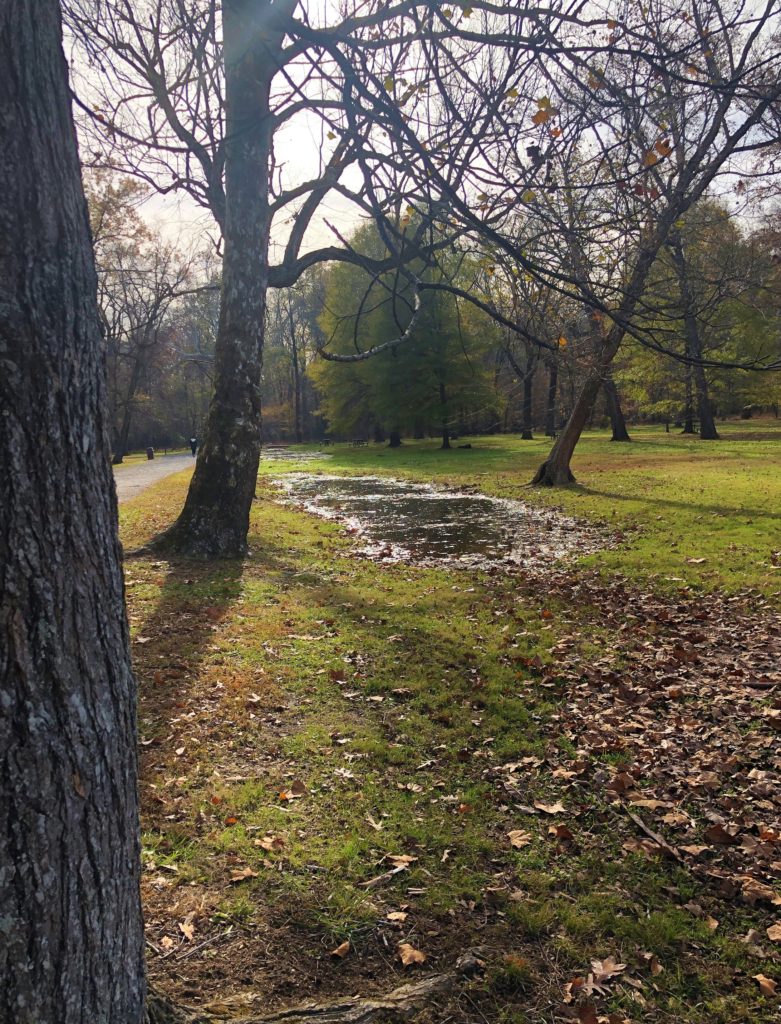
(401, 520)
(280, 453)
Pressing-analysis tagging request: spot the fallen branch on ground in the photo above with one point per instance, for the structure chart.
(399, 1005)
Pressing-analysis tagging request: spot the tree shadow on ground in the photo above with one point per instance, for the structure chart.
(720, 510)
(174, 635)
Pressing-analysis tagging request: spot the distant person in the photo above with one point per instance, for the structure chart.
(193, 445)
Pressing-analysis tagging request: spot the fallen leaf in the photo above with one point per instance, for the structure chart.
(557, 808)
(587, 1014)
(243, 875)
(401, 860)
(606, 969)
(187, 927)
(766, 985)
(396, 915)
(774, 932)
(409, 955)
(719, 835)
(518, 838)
(341, 951)
(752, 890)
(270, 843)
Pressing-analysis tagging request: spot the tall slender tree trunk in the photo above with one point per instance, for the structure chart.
(394, 440)
(123, 437)
(550, 410)
(688, 412)
(695, 371)
(445, 428)
(614, 410)
(298, 427)
(71, 934)
(215, 519)
(526, 421)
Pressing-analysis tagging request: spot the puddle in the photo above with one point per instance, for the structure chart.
(403, 521)
(279, 453)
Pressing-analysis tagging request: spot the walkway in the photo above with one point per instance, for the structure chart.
(135, 477)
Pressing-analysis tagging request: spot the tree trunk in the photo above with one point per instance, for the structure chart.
(688, 414)
(215, 520)
(395, 439)
(526, 423)
(708, 430)
(298, 432)
(695, 369)
(550, 411)
(70, 917)
(555, 471)
(443, 404)
(614, 410)
(123, 437)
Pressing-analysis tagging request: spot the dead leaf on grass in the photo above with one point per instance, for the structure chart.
(606, 969)
(243, 874)
(270, 843)
(401, 860)
(341, 950)
(409, 955)
(587, 1014)
(774, 932)
(557, 808)
(752, 890)
(518, 838)
(766, 985)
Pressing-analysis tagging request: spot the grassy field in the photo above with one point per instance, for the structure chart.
(335, 751)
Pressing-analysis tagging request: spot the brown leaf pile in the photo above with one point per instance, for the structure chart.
(687, 699)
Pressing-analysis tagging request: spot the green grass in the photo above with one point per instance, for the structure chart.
(676, 497)
(263, 673)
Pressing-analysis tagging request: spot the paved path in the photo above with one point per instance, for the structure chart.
(136, 477)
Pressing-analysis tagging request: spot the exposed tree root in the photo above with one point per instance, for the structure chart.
(548, 475)
(401, 1004)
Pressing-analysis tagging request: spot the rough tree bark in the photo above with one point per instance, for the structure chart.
(71, 945)
(215, 519)
(614, 410)
(695, 369)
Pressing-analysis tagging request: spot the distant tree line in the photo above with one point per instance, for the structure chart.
(714, 295)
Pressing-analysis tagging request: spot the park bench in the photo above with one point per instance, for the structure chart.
(358, 442)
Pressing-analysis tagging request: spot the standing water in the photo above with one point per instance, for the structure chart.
(405, 521)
